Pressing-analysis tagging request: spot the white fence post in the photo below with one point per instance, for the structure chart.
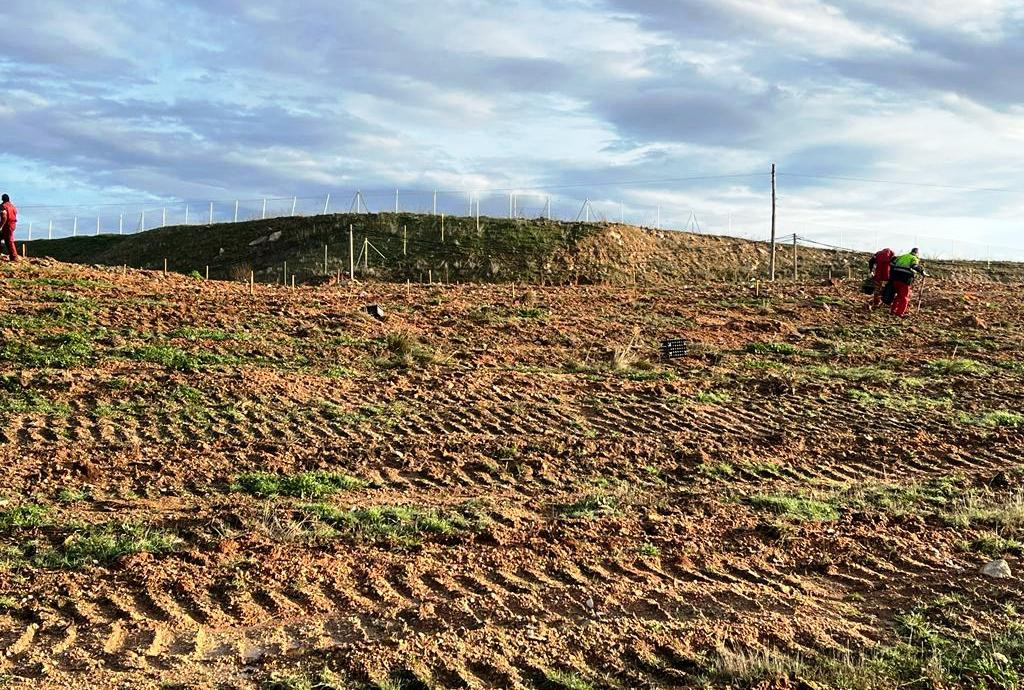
(294, 201)
(327, 205)
(264, 216)
(236, 210)
(74, 230)
(211, 213)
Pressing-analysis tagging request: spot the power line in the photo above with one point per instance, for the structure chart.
(900, 182)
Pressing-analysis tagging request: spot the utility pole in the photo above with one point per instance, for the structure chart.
(771, 258)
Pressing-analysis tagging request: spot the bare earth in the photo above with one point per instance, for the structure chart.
(522, 495)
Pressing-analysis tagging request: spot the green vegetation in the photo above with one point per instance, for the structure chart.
(23, 516)
(324, 680)
(199, 334)
(72, 495)
(17, 399)
(713, 398)
(566, 680)
(59, 351)
(175, 358)
(399, 526)
(995, 418)
(317, 484)
(102, 544)
(784, 349)
(954, 367)
(589, 507)
(403, 350)
(794, 507)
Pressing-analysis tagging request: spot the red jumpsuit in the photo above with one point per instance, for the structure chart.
(880, 263)
(10, 222)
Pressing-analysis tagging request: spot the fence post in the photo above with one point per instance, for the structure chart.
(325, 260)
(74, 230)
(366, 253)
(405, 240)
(295, 200)
(442, 228)
(250, 282)
(284, 278)
(211, 213)
(236, 210)
(351, 256)
(207, 271)
(264, 216)
(327, 204)
(794, 259)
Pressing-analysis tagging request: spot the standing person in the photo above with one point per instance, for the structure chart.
(879, 267)
(901, 273)
(8, 222)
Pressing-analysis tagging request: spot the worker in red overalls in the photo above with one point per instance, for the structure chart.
(8, 222)
(879, 267)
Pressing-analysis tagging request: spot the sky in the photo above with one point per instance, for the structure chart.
(890, 123)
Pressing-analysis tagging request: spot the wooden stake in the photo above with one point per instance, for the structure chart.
(23, 252)
(366, 252)
(284, 278)
(405, 240)
(351, 256)
(207, 271)
(794, 258)
(771, 258)
(442, 228)
(430, 276)
(325, 261)
(250, 283)
(165, 266)
(293, 281)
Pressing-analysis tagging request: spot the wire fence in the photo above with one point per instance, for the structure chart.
(643, 203)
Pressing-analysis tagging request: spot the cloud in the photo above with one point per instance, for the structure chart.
(226, 98)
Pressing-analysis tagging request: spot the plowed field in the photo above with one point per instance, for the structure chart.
(204, 488)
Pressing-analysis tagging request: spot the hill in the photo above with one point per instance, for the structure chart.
(207, 488)
(400, 247)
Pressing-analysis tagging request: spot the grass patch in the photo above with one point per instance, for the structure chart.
(956, 367)
(403, 350)
(176, 358)
(399, 526)
(995, 419)
(24, 516)
(713, 398)
(794, 507)
(60, 351)
(316, 484)
(106, 543)
(782, 349)
(717, 470)
(566, 680)
(195, 333)
(588, 507)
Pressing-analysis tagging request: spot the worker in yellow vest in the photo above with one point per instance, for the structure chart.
(901, 275)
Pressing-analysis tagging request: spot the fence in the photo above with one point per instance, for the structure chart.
(638, 203)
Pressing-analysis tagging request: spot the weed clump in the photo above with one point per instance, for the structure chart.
(588, 507)
(106, 543)
(795, 507)
(401, 526)
(316, 484)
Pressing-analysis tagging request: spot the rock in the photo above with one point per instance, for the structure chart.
(1000, 481)
(998, 569)
(274, 236)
